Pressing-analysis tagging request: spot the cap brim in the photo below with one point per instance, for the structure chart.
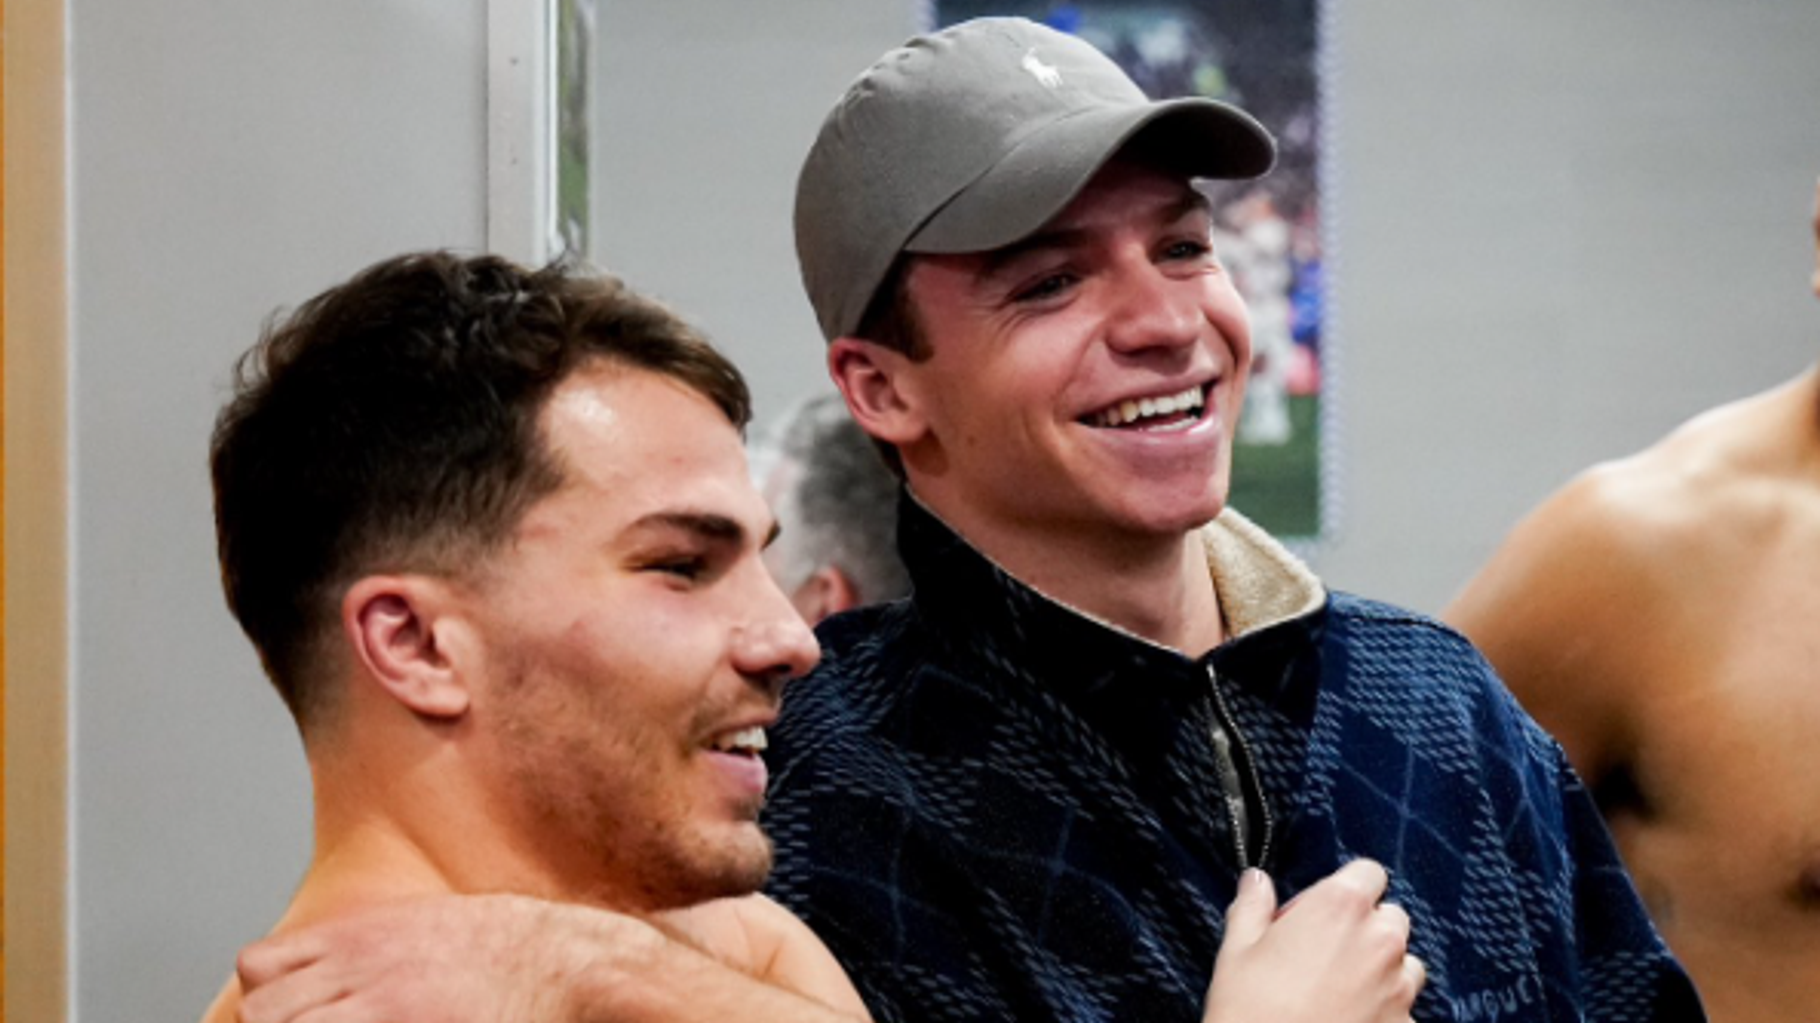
(1036, 180)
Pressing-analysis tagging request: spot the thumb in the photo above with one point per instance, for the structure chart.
(1251, 911)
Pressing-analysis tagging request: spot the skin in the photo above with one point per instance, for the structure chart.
(1657, 615)
(534, 740)
(1118, 297)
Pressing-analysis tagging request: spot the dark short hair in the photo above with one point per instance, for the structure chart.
(891, 322)
(390, 424)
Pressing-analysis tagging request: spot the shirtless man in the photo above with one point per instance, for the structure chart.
(494, 537)
(1659, 616)
(493, 534)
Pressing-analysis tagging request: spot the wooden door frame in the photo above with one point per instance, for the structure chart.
(34, 319)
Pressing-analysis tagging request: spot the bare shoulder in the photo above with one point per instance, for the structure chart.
(1589, 544)
(1651, 525)
(226, 1006)
(762, 939)
(1570, 606)
(305, 909)
(1598, 599)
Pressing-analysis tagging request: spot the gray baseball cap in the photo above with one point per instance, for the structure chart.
(971, 138)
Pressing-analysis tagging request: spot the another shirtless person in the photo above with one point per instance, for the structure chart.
(493, 534)
(1661, 615)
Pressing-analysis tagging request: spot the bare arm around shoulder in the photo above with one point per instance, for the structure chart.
(1334, 956)
(501, 957)
(1577, 603)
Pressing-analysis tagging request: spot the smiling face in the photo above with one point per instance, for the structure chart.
(632, 647)
(1082, 385)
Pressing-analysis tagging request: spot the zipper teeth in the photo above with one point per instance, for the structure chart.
(1251, 771)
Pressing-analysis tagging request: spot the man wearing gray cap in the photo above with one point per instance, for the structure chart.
(1028, 792)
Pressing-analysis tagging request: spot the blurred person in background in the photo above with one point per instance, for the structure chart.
(836, 504)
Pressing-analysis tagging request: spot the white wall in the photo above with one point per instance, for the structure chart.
(1563, 226)
(229, 157)
(705, 111)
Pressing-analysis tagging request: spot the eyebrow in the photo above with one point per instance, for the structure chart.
(710, 526)
(1189, 202)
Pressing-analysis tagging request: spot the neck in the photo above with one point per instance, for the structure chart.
(400, 812)
(1155, 587)
(363, 865)
(1807, 390)
(1784, 433)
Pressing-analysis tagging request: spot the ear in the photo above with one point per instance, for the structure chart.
(880, 386)
(399, 628)
(827, 592)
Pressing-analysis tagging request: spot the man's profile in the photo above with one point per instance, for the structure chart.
(493, 535)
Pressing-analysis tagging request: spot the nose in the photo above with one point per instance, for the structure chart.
(1152, 310)
(776, 645)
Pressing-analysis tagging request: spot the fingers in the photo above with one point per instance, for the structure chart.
(1394, 919)
(1415, 974)
(1353, 889)
(1368, 877)
(1355, 893)
(1252, 909)
(290, 998)
(264, 961)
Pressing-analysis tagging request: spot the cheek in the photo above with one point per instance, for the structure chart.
(954, 411)
(1239, 342)
(675, 643)
(1232, 321)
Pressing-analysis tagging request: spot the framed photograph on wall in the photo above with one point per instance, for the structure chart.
(1263, 56)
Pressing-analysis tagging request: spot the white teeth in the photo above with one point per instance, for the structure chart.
(1188, 400)
(746, 740)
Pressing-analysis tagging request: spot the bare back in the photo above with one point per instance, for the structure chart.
(1661, 615)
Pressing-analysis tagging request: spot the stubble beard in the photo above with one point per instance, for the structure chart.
(630, 853)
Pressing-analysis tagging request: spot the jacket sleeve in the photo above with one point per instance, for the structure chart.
(1627, 971)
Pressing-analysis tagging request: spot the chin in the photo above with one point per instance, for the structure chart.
(1170, 515)
(737, 864)
(688, 866)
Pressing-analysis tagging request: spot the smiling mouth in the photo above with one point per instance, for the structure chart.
(747, 742)
(1167, 412)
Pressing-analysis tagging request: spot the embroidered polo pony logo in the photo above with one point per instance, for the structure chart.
(1044, 73)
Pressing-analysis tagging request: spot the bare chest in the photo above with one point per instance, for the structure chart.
(1727, 758)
